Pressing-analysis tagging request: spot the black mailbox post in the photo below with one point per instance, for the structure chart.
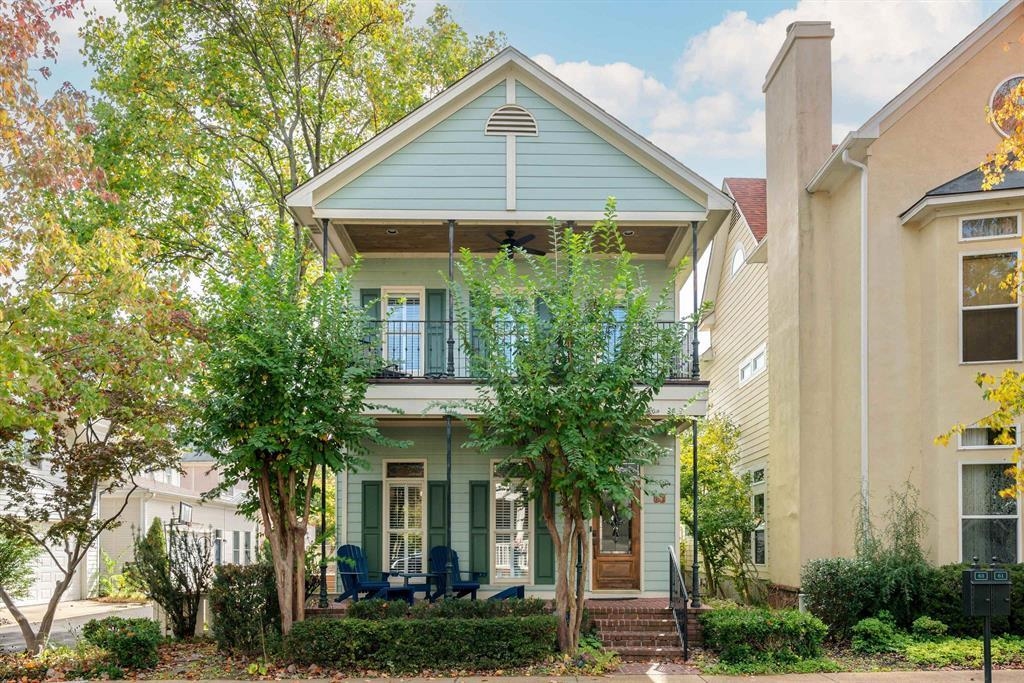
(986, 593)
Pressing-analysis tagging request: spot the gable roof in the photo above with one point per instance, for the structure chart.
(856, 142)
(751, 198)
(509, 63)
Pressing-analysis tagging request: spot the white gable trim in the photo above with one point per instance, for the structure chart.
(509, 64)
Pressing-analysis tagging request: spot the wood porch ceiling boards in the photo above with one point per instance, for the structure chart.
(433, 239)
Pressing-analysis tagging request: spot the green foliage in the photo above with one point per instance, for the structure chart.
(117, 586)
(724, 515)
(417, 645)
(16, 556)
(890, 571)
(876, 635)
(741, 635)
(132, 643)
(926, 628)
(246, 616)
(209, 114)
(377, 609)
(175, 574)
(965, 652)
(592, 658)
(767, 666)
(566, 401)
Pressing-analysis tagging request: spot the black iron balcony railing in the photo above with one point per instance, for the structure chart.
(411, 349)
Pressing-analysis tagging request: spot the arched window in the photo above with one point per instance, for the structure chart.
(737, 260)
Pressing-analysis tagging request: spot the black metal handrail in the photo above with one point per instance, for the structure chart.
(678, 601)
(418, 348)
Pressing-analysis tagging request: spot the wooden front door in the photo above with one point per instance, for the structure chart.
(617, 548)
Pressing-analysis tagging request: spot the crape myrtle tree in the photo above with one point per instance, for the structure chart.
(282, 392)
(571, 357)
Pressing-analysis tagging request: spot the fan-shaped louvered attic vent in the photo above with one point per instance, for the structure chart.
(511, 119)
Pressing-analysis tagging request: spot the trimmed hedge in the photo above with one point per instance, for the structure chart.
(413, 645)
(742, 635)
(448, 609)
(246, 616)
(132, 643)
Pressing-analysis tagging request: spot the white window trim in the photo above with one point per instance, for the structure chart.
(385, 292)
(763, 348)
(961, 447)
(986, 238)
(960, 304)
(386, 546)
(759, 488)
(960, 509)
(492, 535)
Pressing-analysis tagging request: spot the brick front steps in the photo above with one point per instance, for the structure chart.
(642, 629)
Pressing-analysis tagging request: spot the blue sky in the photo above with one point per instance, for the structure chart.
(688, 75)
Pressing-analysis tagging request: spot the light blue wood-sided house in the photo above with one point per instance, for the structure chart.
(490, 159)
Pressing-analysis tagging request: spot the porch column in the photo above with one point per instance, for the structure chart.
(695, 374)
(448, 418)
(323, 604)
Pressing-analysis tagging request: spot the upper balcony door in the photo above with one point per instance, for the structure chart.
(403, 330)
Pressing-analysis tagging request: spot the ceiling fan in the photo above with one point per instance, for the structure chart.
(511, 243)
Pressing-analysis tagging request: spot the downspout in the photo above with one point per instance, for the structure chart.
(864, 486)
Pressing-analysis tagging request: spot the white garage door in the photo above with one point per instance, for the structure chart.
(46, 577)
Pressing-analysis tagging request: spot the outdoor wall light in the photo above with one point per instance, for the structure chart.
(629, 233)
(392, 231)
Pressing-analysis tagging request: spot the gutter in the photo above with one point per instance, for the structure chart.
(864, 486)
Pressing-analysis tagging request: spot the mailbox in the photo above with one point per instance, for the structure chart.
(986, 592)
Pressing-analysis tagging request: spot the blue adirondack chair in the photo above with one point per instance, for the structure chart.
(438, 568)
(355, 576)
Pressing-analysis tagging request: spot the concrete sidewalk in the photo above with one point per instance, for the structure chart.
(67, 622)
(1009, 676)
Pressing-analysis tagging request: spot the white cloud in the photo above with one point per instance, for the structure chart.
(712, 115)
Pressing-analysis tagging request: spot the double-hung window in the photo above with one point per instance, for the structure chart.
(236, 547)
(403, 330)
(248, 548)
(989, 310)
(989, 522)
(510, 528)
(405, 518)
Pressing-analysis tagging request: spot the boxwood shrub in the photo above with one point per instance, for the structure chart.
(412, 645)
(132, 643)
(740, 635)
(246, 616)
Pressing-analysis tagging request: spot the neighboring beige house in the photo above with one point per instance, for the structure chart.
(176, 497)
(735, 362)
(883, 264)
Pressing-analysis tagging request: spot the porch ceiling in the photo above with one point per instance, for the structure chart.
(432, 239)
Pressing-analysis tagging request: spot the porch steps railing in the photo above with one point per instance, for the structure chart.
(678, 601)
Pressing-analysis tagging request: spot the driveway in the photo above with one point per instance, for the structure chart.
(67, 623)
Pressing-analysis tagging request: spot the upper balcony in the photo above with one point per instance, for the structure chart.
(426, 362)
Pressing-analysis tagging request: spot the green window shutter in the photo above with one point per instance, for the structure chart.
(480, 528)
(369, 299)
(373, 524)
(436, 350)
(544, 558)
(437, 516)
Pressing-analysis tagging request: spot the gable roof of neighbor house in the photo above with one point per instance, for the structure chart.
(506, 68)
(751, 198)
(856, 142)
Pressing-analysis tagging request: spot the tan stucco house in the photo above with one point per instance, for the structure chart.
(883, 262)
